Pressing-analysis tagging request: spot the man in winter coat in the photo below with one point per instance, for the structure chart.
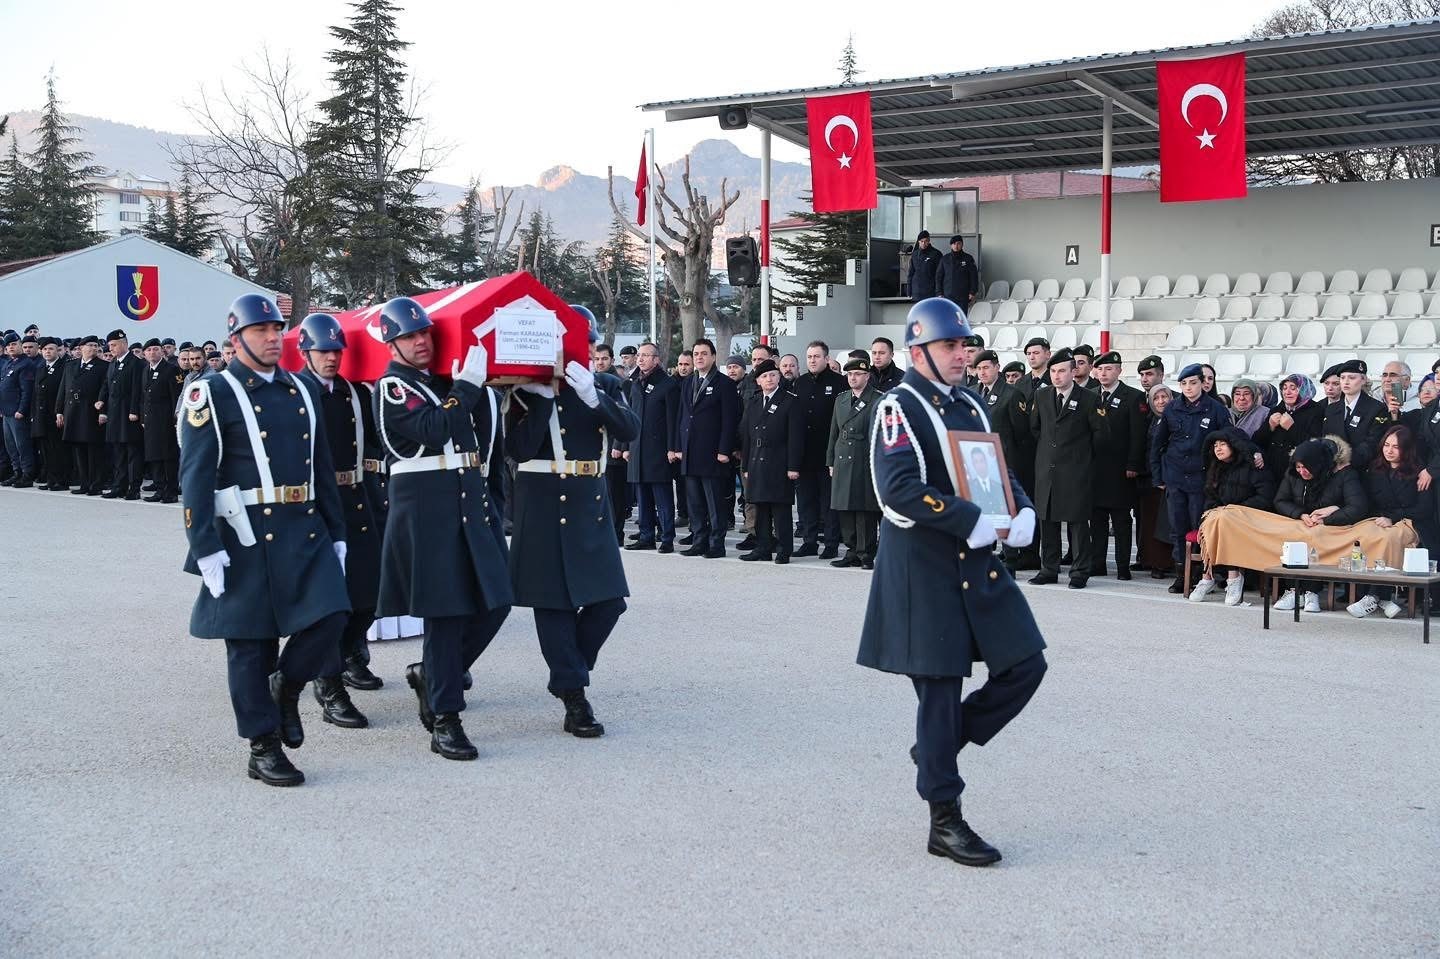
(852, 492)
(924, 273)
(1177, 457)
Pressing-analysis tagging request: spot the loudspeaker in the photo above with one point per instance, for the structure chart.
(742, 259)
(734, 118)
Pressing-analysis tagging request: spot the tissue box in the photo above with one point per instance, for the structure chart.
(1417, 562)
(1295, 556)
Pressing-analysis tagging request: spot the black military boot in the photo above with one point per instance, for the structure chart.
(415, 676)
(287, 697)
(951, 835)
(449, 739)
(270, 765)
(579, 719)
(24, 482)
(357, 675)
(7, 477)
(335, 705)
(830, 551)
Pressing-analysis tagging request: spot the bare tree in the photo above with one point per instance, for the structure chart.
(495, 249)
(685, 248)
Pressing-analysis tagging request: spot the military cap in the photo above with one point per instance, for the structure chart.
(167, 342)
(11, 337)
(1332, 371)
(1353, 366)
(1038, 341)
(187, 345)
(151, 342)
(856, 364)
(33, 328)
(974, 339)
(987, 356)
(1086, 350)
(116, 335)
(1014, 366)
(765, 366)
(1151, 362)
(1105, 359)
(628, 351)
(92, 338)
(213, 355)
(1194, 369)
(28, 338)
(1061, 356)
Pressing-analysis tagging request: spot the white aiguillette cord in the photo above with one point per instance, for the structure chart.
(889, 433)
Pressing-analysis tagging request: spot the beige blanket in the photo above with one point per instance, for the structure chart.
(1251, 538)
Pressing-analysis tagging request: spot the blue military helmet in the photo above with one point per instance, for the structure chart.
(252, 309)
(401, 317)
(935, 318)
(321, 331)
(585, 312)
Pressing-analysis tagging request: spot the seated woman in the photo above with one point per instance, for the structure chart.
(1232, 479)
(1393, 488)
(1296, 419)
(1320, 490)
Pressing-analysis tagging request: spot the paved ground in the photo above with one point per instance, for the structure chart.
(1182, 784)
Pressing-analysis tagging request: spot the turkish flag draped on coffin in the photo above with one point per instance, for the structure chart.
(842, 153)
(1202, 128)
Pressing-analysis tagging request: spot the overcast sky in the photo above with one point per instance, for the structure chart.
(515, 88)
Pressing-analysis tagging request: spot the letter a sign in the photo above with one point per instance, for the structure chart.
(137, 291)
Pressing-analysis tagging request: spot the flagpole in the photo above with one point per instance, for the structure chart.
(1106, 141)
(765, 236)
(650, 220)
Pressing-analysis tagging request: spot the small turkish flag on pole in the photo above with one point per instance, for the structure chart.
(642, 188)
(842, 153)
(1202, 128)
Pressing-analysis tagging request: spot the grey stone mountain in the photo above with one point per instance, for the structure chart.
(575, 201)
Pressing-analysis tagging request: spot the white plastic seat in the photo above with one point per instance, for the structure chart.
(1378, 281)
(1245, 336)
(982, 332)
(999, 290)
(1344, 281)
(1090, 311)
(1278, 335)
(1266, 366)
(1064, 312)
(1187, 285)
(1216, 284)
(1206, 309)
(1187, 358)
(980, 312)
(1382, 335)
(1246, 284)
(1412, 280)
(1303, 307)
(1211, 336)
(1376, 361)
(1347, 333)
(1310, 336)
(1434, 309)
(1406, 305)
(1371, 307)
(1121, 311)
(1127, 288)
(1239, 308)
(1435, 283)
(1337, 306)
(1047, 289)
(1307, 363)
(1420, 363)
(1074, 289)
(1065, 338)
(1312, 281)
(1279, 284)
(1229, 366)
(1007, 312)
(1006, 338)
(1156, 287)
(1035, 312)
(1033, 332)
(1270, 308)
(1092, 338)
(1419, 332)
(1022, 290)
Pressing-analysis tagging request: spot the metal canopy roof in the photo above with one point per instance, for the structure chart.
(1364, 87)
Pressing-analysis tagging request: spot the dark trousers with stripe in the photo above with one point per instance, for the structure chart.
(308, 654)
(570, 640)
(452, 644)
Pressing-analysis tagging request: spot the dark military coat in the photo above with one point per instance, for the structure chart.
(772, 444)
(848, 453)
(1177, 445)
(563, 554)
(817, 394)
(1065, 454)
(47, 397)
(439, 555)
(363, 529)
(705, 428)
(1010, 420)
(17, 381)
(124, 395)
(157, 410)
(958, 279)
(83, 386)
(936, 605)
(1120, 448)
(1363, 429)
(290, 579)
(656, 402)
(377, 482)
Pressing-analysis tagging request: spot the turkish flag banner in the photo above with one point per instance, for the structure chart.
(1202, 128)
(642, 188)
(842, 153)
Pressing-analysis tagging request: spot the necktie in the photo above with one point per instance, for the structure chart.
(1059, 403)
(1104, 397)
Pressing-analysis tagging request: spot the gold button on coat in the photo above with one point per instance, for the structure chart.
(994, 575)
(965, 585)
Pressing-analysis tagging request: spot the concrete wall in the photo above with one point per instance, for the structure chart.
(1330, 227)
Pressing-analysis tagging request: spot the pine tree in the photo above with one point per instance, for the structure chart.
(849, 64)
(163, 223)
(553, 261)
(194, 223)
(64, 205)
(617, 276)
(459, 260)
(18, 212)
(818, 255)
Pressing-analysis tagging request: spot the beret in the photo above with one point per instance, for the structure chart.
(1194, 369)
(1014, 366)
(628, 351)
(116, 335)
(1061, 356)
(1331, 371)
(924, 235)
(989, 355)
(974, 339)
(1151, 362)
(151, 342)
(1085, 350)
(1104, 359)
(1038, 341)
(1353, 366)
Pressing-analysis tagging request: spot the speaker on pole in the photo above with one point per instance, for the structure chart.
(734, 118)
(742, 260)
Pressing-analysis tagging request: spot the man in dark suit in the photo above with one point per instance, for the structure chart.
(1067, 426)
(1359, 418)
(772, 433)
(161, 381)
(47, 402)
(124, 394)
(958, 278)
(79, 417)
(655, 398)
(1119, 460)
(817, 390)
(703, 441)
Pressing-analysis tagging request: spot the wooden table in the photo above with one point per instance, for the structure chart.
(1280, 575)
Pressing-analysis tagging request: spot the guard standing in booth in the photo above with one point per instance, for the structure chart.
(564, 558)
(262, 514)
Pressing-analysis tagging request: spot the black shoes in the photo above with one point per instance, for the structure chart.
(466, 680)
(449, 739)
(335, 705)
(756, 557)
(666, 548)
(1177, 587)
(109, 493)
(687, 540)
(849, 559)
(783, 559)
(830, 552)
(24, 482)
(270, 765)
(1043, 578)
(746, 543)
(154, 498)
(867, 564)
(415, 676)
(807, 549)
(1078, 582)
(287, 697)
(715, 553)
(641, 544)
(1123, 575)
(952, 837)
(1159, 574)
(579, 718)
(357, 675)
(696, 550)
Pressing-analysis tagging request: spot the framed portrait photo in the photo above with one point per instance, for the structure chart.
(983, 477)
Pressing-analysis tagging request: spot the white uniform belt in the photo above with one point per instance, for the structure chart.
(348, 477)
(276, 494)
(563, 467)
(441, 461)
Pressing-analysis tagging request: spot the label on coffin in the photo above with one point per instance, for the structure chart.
(525, 334)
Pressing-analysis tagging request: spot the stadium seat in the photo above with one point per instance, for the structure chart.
(1206, 309)
(1006, 338)
(1127, 288)
(1279, 284)
(1064, 312)
(1406, 305)
(1278, 335)
(1156, 287)
(1337, 306)
(1270, 308)
(1377, 281)
(1216, 284)
(1382, 335)
(1074, 289)
(1303, 307)
(1090, 311)
(1007, 312)
(1065, 338)
(1344, 281)
(1435, 283)
(1093, 293)
(1092, 338)
(1187, 358)
(1266, 366)
(1187, 285)
(1307, 363)
(980, 312)
(1244, 336)
(1211, 336)
(980, 331)
(1121, 311)
(999, 290)
(1047, 289)
(1246, 284)
(1310, 336)
(1420, 363)
(1239, 308)
(1371, 307)
(1033, 332)
(1312, 282)
(1346, 334)
(1022, 290)
(1376, 361)
(1035, 312)
(1419, 332)
(1412, 280)
(1434, 309)
(1229, 366)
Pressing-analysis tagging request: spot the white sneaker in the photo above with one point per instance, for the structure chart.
(1391, 608)
(1312, 602)
(1201, 590)
(1234, 590)
(1363, 607)
(1287, 601)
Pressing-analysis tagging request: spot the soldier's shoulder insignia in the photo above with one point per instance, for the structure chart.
(394, 391)
(180, 378)
(197, 400)
(1022, 405)
(450, 403)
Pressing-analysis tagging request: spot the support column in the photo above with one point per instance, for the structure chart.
(765, 236)
(1106, 139)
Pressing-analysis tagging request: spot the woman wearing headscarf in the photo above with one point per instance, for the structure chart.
(1295, 419)
(1320, 489)
(1153, 532)
(1246, 411)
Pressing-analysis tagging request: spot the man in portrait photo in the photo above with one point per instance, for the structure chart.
(987, 491)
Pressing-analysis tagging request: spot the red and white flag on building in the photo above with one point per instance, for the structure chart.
(1202, 128)
(842, 153)
(642, 188)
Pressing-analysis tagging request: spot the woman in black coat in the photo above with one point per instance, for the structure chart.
(1393, 488)
(1153, 531)
(1232, 479)
(1320, 489)
(1295, 419)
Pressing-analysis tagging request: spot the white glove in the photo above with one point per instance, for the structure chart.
(982, 535)
(212, 570)
(340, 549)
(539, 389)
(477, 365)
(1022, 529)
(582, 381)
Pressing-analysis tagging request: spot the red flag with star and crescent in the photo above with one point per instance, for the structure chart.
(842, 153)
(1202, 128)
